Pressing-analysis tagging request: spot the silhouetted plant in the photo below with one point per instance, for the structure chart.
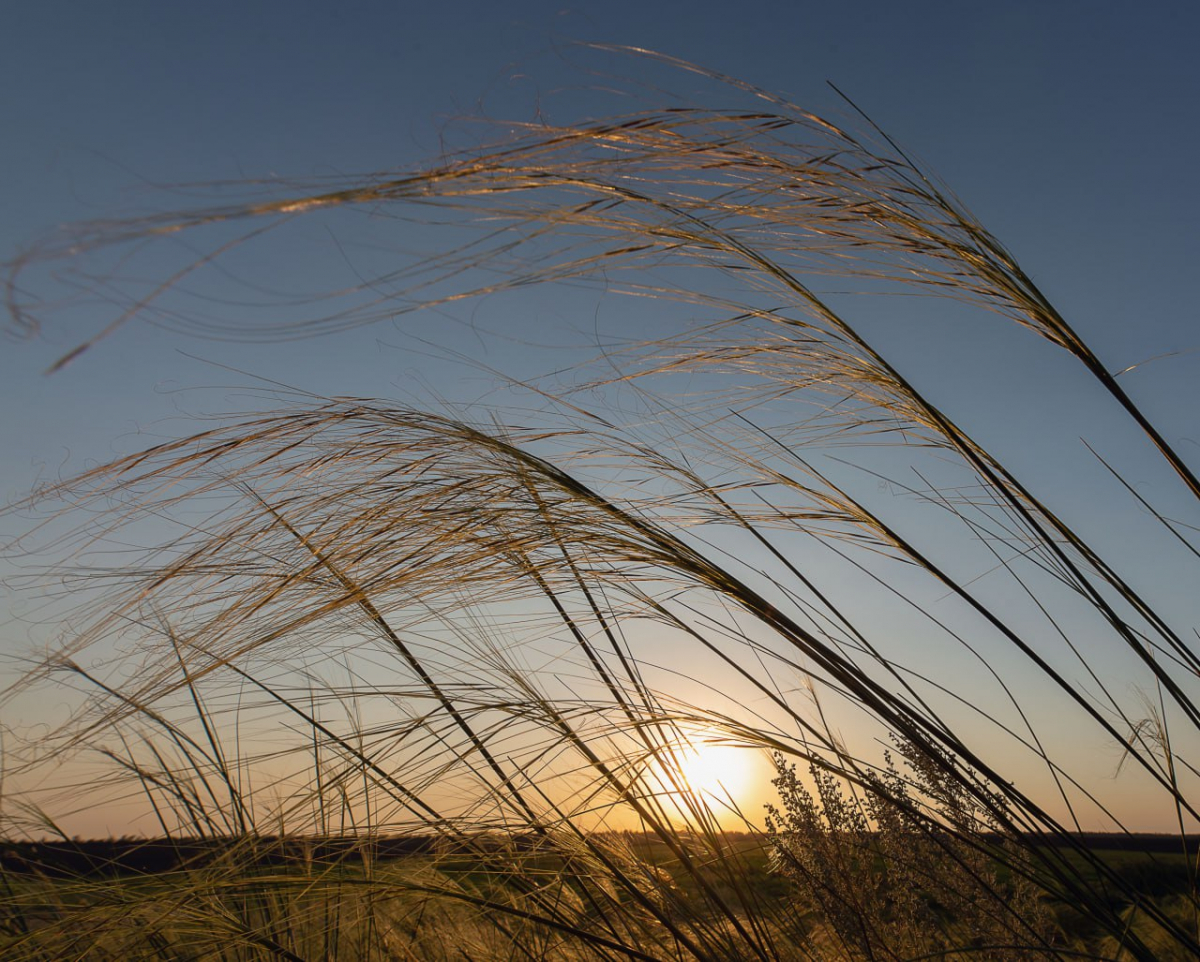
(908, 865)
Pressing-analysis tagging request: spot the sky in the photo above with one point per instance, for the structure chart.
(1067, 127)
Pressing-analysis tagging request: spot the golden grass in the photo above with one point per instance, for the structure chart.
(462, 622)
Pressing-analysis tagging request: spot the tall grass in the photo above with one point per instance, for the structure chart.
(499, 631)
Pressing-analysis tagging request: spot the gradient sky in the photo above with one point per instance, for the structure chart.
(1067, 127)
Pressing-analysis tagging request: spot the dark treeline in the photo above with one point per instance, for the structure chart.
(1120, 842)
(92, 858)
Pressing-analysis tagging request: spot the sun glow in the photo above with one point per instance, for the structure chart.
(713, 770)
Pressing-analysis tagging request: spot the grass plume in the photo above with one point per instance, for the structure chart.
(499, 635)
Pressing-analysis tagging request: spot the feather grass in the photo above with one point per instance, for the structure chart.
(461, 623)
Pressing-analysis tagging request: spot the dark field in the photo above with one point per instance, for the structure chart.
(79, 897)
(1136, 854)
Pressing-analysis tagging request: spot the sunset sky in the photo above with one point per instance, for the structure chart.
(1067, 128)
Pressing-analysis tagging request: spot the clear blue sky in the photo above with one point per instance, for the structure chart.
(1067, 127)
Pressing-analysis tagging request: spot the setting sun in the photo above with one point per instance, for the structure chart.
(716, 771)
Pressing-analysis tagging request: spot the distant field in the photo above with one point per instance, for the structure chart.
(1155, 864)
(276, 892)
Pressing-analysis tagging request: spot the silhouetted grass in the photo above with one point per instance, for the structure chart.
(499, 631)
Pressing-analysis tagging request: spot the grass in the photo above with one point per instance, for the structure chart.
(499, 631)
